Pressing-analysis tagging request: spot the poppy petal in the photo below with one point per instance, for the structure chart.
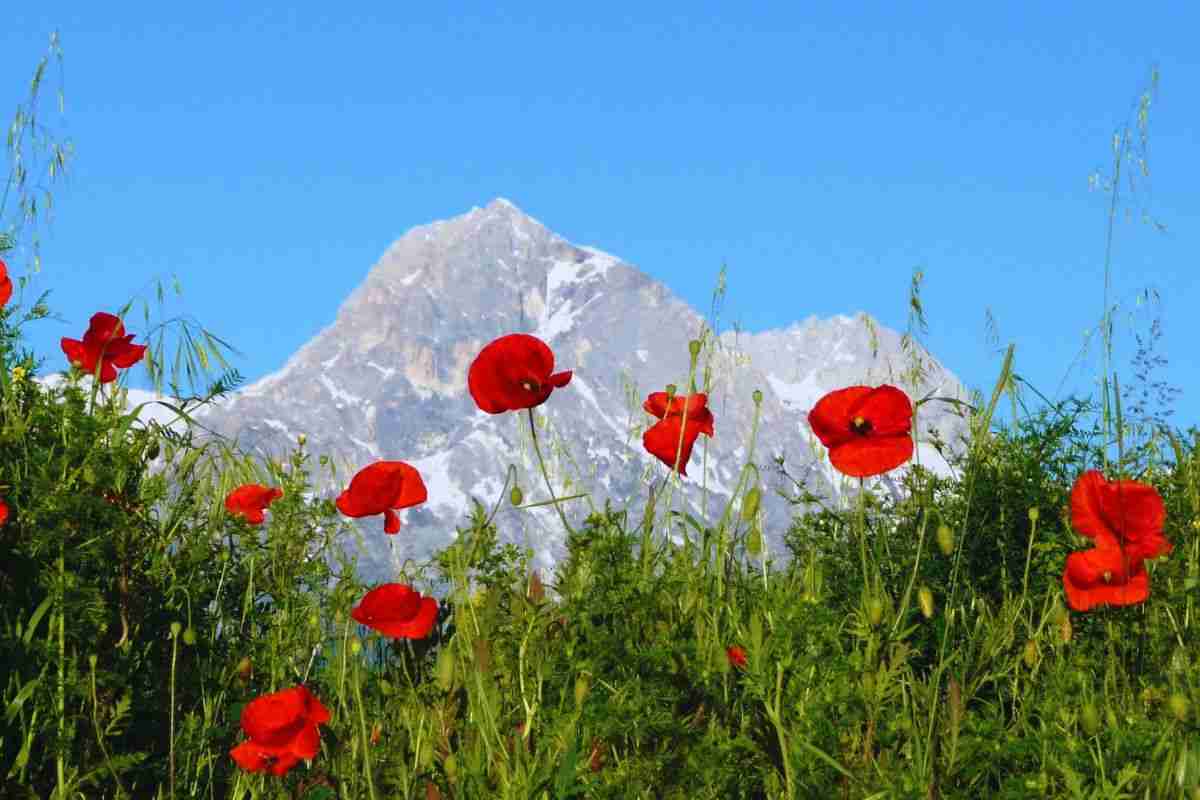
(391, 522)
(889, 410)
(829, 418)
(863, 457)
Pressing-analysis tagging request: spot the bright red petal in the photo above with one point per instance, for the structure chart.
(662, 440)
(830, 417)
(888, 409)
(413, 490)
(391, 522)
(864, 456)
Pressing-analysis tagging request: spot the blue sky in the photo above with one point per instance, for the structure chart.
(267, 159)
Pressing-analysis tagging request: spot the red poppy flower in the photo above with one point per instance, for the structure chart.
(662, 439)
(105, 343)
(397, 611)
(5, 284)
(1120, 514)
(282, 728)
(737, 656)
(3, 512)
(381, 487)
(867, 431)
(512, 373)
(1104, 575)
(250, 499)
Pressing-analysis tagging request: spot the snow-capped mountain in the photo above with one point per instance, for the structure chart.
(388, 380)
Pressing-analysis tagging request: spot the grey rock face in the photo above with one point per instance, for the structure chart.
(388, 380)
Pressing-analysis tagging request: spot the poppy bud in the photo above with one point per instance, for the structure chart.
(1179, 706)
(302, 440)
(1033, 514)
(445, 669)
(925, 598)
(516, 495)
(375, 733)
(450, 765)
(757, 397)
(244, 668)
(671, 389)
(694, 347)
(152, 451)
(175, 629)
(1089, 717)
(945, 540)
(189, 636)
(386, 688)
(875, 610)
(1031, 653)
(750, 504)
(754, 541)
(583, 685)
(355, 646)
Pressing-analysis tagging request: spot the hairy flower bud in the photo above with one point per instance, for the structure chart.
(189, 636)
(355, 646)
(925, 598)
(1033, 514)
(754, 541)
(1031, 654)
(757, 397)
(945, 540)
(750, 504)
(244, 668)
(445, 669)
(875, 610)
(516, 495)
(1089, 717)
(583, 685)
(175, 629)
(694, 347)
(1180, 706)
(302, 440)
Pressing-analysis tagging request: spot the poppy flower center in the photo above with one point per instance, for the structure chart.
(529, 385)
(860, 426)
(1107, 576)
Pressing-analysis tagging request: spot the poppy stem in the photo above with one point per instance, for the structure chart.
(542, 464)
(862, 531)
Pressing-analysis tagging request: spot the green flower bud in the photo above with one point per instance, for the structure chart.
(1033, 514)
(175, 629)
(945, 540)
(1180, 706)
(516, 495)
(754, 541)
(583, 685)
(875, 611)
(1089, 717)
(750, 504)
(450, 765)
(925, 598)
(757, 397)
(355, 646)
(386, 688)
(694, 347)
(152, 451)
(671, 389)
(1031, 653)
(189, 636)
(302, 440)
(445, 669)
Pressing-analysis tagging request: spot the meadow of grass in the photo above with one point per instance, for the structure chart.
(919, 647)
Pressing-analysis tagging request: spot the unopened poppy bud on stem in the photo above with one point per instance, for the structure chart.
(583, 685)
(1033, 514)
(945, 540)
(175, 629)
(516, 495)
(875, 610)
(750, 504)
(925, 598)
(694, 347)
(757, 397)
(1031, 653)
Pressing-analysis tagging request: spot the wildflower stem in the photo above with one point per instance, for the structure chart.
(362, 721)
(62, 676)
(541, 462)
(171, 740)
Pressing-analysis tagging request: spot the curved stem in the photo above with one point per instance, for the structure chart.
(541, 463)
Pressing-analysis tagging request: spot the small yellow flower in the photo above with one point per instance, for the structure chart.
(18, 374)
